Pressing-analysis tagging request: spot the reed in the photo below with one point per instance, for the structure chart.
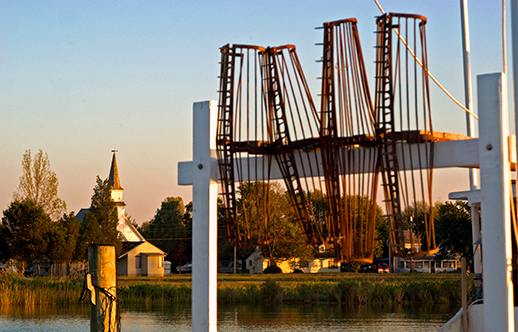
(17, 290)
(297, 288)
(154, 294)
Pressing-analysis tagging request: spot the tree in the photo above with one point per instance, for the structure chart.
(63, 239)
(359, 209)
(381, 235)
(28, 226)
(5, 236)
(453, 230)
(171, 230)
(40, 184)
(99, 226)
(417, 218)
(265, 213)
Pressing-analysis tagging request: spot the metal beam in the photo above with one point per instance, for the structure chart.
(447, 154)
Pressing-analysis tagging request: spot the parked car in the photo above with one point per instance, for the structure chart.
(383, 268)
(346, 267)
(369, 268)
(29, 272)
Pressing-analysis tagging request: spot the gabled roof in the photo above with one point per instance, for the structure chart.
(114, 181)
(81, 214)
(127, 247)
(148, 249)
(128, 232)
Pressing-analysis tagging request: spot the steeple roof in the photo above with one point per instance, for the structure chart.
(114, 181)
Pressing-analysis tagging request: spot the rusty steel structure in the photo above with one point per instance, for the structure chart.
(402, 101)
(347, 124)
(331, 160)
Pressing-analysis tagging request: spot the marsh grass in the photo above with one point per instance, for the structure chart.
(247, 289)
(17, 290)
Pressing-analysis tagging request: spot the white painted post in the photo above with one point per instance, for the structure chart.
(204, 218)
(495, 184)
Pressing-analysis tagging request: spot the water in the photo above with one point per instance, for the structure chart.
(237, 318)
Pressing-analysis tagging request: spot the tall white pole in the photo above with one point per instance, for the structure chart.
(204, 218)
(468, 95)
(470, 126)
(514, 32)
(495, 184)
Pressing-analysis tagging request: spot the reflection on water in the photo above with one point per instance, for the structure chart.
(233, 318)
(45, 318)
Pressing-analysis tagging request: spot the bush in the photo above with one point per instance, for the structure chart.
(271, 292)
(298, 271)
(272, 269)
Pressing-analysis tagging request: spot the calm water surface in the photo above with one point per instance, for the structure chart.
(242, 318)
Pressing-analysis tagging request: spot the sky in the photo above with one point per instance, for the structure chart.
(82, 78)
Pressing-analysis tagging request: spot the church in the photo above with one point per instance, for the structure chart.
(137, 257)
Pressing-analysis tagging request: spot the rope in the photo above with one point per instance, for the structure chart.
(108, 297)
(426, 70)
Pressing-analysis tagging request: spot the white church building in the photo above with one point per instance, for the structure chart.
(137, 257)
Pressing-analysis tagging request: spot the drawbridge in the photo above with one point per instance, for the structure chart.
(343, 150)
(266, 131)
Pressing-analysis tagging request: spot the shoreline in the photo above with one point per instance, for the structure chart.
(295, 289)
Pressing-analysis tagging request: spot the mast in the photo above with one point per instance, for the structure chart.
(468, 95)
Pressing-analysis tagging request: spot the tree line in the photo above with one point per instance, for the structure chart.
(171, 227)
(37, 227)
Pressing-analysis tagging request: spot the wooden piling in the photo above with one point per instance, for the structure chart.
(101, 264)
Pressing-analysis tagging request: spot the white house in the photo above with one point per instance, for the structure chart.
(426, 264)
(322, 263)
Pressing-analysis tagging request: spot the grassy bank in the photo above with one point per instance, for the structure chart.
(252, 289)
(15, 289)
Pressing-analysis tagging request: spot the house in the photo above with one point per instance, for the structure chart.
(322, 263)
(426, 264)
(138, 257)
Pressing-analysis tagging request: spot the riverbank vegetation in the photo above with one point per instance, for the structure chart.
(354, 288)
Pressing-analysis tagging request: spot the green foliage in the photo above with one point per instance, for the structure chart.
(271, 292)
(99, 226)
(285, 288)
(17, 290)
(381, 235)
(272, 269)
(453, 230)
(63, 235)
(148, 293)
(417, 218)
(5, 236)
(266, 217)
(28, 234)
(39, 184)
(360, 211)
(171, 230)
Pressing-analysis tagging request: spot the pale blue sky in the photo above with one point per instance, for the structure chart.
(80, 78)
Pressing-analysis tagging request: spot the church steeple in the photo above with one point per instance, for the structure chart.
(114, 181)
(126, 230)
